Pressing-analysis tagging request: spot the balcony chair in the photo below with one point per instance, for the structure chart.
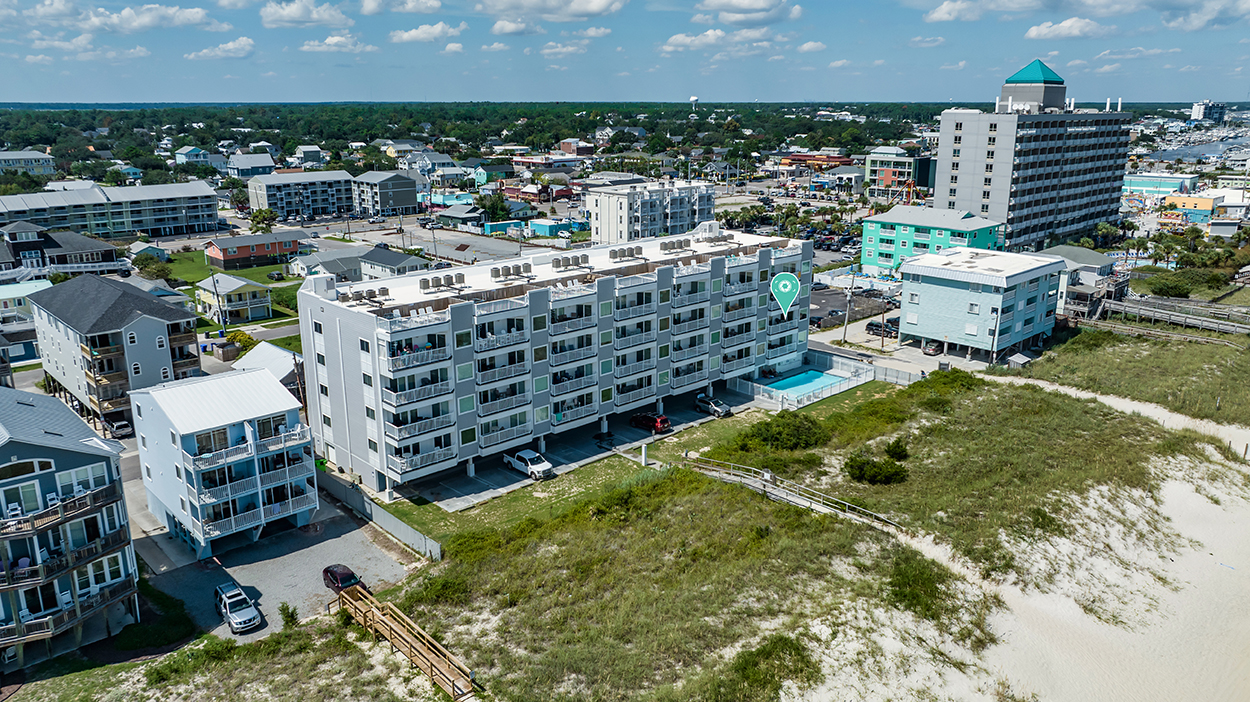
(79, 490)
(43, 555)
(53, 499)
(25, 615)
(67, 600)
(23, 562)
(15, 511)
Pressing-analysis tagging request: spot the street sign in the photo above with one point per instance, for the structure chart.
(785, 289)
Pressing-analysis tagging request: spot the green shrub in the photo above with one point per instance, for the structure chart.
(786, 431)
(290, 616)
(865, 469)
(918, 584)
(172, 626)
(439, 589)
(758, 675)
(897, 449)
(1090, 340)
(187, 662)
(1168, 286)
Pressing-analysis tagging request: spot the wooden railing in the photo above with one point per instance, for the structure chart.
(425, 653)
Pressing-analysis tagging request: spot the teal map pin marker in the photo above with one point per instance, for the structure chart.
(785, 289)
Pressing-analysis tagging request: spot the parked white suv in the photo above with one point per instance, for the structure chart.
(531, 463)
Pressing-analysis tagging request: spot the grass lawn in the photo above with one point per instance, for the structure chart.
(290, 343)
(583, 235)
(1207, 381)
(191, 267)
(28, 367)
(70, 678)
(846, 400)
(1240, 296)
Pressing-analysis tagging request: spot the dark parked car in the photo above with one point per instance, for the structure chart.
(820, 286)
(339, 577)
(650, 421)
(275, 275)
(875, 328)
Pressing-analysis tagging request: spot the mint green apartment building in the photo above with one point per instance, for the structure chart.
(907, 231)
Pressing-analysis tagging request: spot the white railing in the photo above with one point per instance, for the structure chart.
(635, 395)
(502, 372)
(567, 292)
(573, 414)
(298, 503)
(634, 311)
(298, 435)
(1006, 317)
(427, 458)
(690, 352)
(631, 281)
(568, 386)
(780, 351)
(572, 325)
(625, 342)
(217, 458)
(787, 252)
(423, 426)
(405, 397)
(692, 325)
(294, 471)
(224, 492)
(494, 341)
(632, 368)
(418, 358)
(688, 378)
(416, 321)
(736, 365)
(501, 435)
(696, 269)
(691, 298)
(741, 288)
(732, 315)
(240, 304)
(496, 306)
(737, 340)
(959, 241)
(1030, 308)
(502, 404)
(780, 327)
(559, 359)
(229, 525)
(736, 261)
(885, 247)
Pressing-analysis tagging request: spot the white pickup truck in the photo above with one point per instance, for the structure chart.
(531, 463)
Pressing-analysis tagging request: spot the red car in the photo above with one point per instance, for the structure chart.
(339, 577)
(650, 421)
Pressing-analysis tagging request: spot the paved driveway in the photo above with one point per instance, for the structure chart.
(285, 567)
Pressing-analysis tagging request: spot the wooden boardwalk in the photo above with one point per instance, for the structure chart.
(1170, 313)
(384, 619)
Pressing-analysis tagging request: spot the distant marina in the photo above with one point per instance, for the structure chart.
(1213, 149)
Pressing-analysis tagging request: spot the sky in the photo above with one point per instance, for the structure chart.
(822, 51)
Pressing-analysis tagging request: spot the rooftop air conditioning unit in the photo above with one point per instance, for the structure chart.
(344, 297)
(494, 272)
(527, 268)
(460, 279)
(448, 280)
(371, 294)
(384, 292)
(357, 295)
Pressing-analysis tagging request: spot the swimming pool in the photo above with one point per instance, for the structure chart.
(807, 382)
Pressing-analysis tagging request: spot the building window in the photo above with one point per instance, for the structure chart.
(955, 153)
(182, 502)
(954, 167)
(364, 346)
(985, 194)
(321, 359)
(316, 327)
(131, 338)
(985, 209)
(959, 126)
(988, 182)
(165, 374)
(463, 339)
(143, 440)
(325, 419)
(160, 342)
(989, 155)
(974, 308)
(950, 206)
(913, 298)
(958, 139)
(373, 446)
(953, 191)
(148, 470)
(954, 179)
(370, 414)
(989, 168)
(325, 391)
(134, 369)
(993, 127)
(990, 141)
(367, 378)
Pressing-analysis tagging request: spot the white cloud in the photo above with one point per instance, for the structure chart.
(955, 66)
(927, 42)
(1109, 68)
(374, 7)
(551, 10)
(1077, 62)
(50, 10)
(129, 20)
(951, 10)
(1184, 15)
(557, 68)
(233, 4)
(453, 48)
(840, 63)
(777, 58)
(239, 48)
(45, 60)
(497, 46)
(593, 32)
(1071, 28)
(748, 13)
(1190, 69)
(553, 50)
(108, 54)
(269, 74)
(303, 13)
(879, 62)
(515, 28)
(339, 42)
(1135, 52)
(810, 46)
(703, 19)
(40, 41)
(682, 42)
(428, 33)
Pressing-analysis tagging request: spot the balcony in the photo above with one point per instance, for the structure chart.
(407, 397)
(294, 471)
(563, 357)
(741, 288)
(186, 339)
(220, 493)
(635, 311)
(882, 246)
(691, 298)
(1029, 309)
(295, 437)
(216, 459)
(100, 351)
(501, 435)
(228, 525)
(495, 341)
(424, 426)
(106, 379)
(48, 626)
(634, 368)
(691, 352)
(572, 325)
(57, 566)
(416, 321)
(741, 313)
(635, 339)
(572, 415)
(500, 405)
(573, 385)
(688, 378)
(626, 398)
(782, 327)
(502, 372)
(692, 325)
(186, 362)
(728, 342)
(299, 503)
(736, 365)
(779, 351)
(418, 358)
(402, 464)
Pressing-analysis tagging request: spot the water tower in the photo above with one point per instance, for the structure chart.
(694, 103)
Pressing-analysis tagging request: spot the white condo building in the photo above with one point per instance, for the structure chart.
(624, 213)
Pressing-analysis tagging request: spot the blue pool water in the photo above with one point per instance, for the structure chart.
(805, 382)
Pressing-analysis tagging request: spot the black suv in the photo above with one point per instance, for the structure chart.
(875, 328)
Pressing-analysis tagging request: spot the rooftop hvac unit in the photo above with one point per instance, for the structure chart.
(614, 254)
(555, 263)
(344, 297)
(384, 292)
(685, 243)
(585, 259)
(527, 268)
(566, 261)
(371, 294)
(425, 283)
(448, 280)
(460, 279)
(494, 272)
(357, 295)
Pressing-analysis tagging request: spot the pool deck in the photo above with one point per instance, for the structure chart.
(808, 386)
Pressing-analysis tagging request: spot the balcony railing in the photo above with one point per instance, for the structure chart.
(741, 288)
(781, 327)
(959, 241)
(495, 341)
(401, 464)
(109, 404)
(296, 436)
(574, 414)
(572, 325)
(736, 365)
(418, 428)
(633, 368)
(506, 434)
(295, 471)
(689, 352)
(397, 323)
(57, 566)
(69, 508)
(229, 525)
(780, 351)
(64, 620)
(506, 403)
(692, 325)
(407, 397)
(238, 488)
(418, 358)
(215, 459)
(689, 378)
(186, 362)
(626, 398)
(185, 339)
(635, 311)
(691, 298)
(563, 357)
(502, 372)
(742, 313)
(882, 246)
(736, 340)
(299, 503)
(107, 378)
(573, 385)
(635, 339)
(99, 351)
